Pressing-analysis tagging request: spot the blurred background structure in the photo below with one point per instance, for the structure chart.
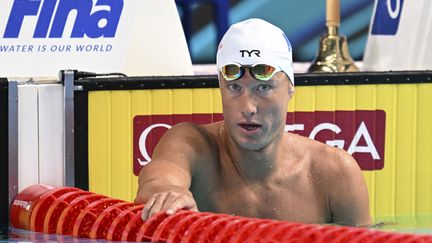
(204, 21)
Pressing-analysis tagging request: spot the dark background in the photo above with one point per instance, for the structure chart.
(302, 21)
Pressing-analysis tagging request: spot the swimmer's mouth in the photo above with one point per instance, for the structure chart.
(249, 126)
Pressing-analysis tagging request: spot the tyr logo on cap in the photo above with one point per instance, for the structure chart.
(256, 52)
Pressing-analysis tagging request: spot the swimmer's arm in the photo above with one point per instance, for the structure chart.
(164, 188)
(349, 199)
(163, 184)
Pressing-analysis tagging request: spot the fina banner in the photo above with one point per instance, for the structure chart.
(40, 37)
(400, 35)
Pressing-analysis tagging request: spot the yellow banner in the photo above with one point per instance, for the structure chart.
(401, 188)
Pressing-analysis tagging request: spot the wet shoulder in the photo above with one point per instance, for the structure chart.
(326, 160)
(200, 135)
(201, 139)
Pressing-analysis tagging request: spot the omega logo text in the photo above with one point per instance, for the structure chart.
(361, 133)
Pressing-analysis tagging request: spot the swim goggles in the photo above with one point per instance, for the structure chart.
(259, 71)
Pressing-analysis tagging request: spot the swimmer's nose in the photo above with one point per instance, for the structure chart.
(248, 106)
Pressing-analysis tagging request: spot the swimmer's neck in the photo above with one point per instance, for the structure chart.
(255, 164)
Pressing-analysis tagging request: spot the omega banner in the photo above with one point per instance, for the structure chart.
(40, 37)
(359, 132)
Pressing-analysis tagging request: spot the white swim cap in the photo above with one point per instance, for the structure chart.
(256, 41)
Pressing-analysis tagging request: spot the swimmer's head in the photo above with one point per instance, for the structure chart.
(256, 44)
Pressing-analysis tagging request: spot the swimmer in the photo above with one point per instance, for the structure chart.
(247, 165)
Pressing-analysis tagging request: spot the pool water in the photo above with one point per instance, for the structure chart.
(419, 225)
(19, 235)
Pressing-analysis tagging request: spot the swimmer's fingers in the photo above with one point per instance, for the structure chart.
(154, 205)
(179, 201)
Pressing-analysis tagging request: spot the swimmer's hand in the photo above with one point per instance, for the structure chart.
(170, 202)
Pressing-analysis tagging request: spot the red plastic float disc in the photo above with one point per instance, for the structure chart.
(119, 224)
(54, 212)
(197, 227)
(162, 231)
(308, 233)
(210, 232)
(348, 236)
(182, 226)
(132, 227)
(394, 237)
(331, 232)
(294, 234)
(147, 229)
(247, 229)
(71, 212)
(100, 227)
(418, 238)
(40, 209)
(278, 231)
(260, 231)
(23, 204)
(367, 236)
(88, 216)
(227, 233)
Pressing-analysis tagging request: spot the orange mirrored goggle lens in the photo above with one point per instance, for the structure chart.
(261, 72)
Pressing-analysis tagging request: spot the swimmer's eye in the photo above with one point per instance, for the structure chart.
(234, 87)
(263, 87)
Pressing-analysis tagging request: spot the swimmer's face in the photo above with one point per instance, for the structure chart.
(255, 111)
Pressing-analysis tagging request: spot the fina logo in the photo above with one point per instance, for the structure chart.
(53, 15)
(387, 17)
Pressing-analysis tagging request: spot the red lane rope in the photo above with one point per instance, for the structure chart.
(68, 210)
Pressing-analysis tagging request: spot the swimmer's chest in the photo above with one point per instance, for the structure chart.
(297, 200)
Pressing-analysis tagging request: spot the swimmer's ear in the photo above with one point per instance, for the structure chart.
(291, 90)
(219, 76)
